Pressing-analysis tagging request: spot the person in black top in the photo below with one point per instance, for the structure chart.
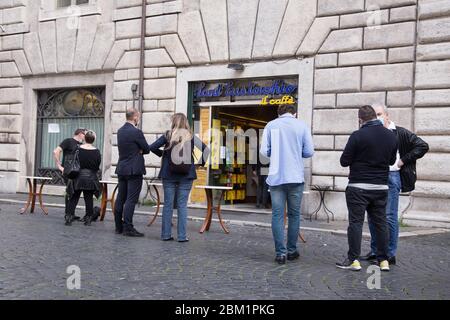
(86, 181)
(402, 178)
(369, 153)
(130, 171)
(67, 148)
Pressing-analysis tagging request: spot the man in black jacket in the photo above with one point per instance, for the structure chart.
(402, 178)
(130, 170)
(369, 152)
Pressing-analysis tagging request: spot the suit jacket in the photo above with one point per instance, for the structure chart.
(131, 141)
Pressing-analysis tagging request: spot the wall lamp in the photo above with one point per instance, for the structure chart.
(236, 66)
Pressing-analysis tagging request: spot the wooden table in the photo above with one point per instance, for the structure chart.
(32, 188)
(209, 198)
(105, 199)
(154, 185)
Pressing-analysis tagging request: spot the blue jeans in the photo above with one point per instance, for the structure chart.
(175, 191)
(291, 193)
(395, 186)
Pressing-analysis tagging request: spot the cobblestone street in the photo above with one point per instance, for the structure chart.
(35, 251)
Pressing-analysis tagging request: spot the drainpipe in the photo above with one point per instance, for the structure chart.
(142, 59)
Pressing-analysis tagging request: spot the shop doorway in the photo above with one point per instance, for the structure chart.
(237, 165)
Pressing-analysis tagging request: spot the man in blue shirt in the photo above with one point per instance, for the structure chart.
(286, 141)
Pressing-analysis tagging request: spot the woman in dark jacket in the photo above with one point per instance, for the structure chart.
(86, 181)
(177, 172)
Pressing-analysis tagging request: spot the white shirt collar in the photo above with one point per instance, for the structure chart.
(392, 126)
(287, 114)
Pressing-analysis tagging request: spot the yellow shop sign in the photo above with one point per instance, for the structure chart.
(284, 100)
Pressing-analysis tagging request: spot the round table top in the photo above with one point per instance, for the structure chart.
(214, 187)
(109, 181)
(158, 184)
(37, 178)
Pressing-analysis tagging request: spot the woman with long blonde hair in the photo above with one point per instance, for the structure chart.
(177, 172)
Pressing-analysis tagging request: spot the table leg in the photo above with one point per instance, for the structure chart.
(158, 204)
(33, 199)
(328, 210)
(315, 212)
(301, 237)
(41, 203)
(113, 199)
(30, 196)
(104, 201)
(219, 214)
(208, 217)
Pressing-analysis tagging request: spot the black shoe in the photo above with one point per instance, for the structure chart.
(96, 214)
(168, 239)
(293, 256)
(119, 231)
(132, 233)
(392, 261)
(68, 218)
(76, 218)
(87, 220)
(280, 259)
(185, 240)
(368, 257)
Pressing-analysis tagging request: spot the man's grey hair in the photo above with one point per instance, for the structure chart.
(380, 105)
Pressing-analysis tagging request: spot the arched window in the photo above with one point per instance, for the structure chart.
(60, 113)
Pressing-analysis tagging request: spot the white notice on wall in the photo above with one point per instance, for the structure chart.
(53, 128)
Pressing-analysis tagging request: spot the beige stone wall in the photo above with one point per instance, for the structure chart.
(391, 51)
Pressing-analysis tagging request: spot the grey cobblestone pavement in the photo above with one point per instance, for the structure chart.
(35, 251)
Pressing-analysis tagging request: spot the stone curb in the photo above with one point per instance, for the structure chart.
(366, 235)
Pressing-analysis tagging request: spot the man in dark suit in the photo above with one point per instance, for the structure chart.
(130, 171)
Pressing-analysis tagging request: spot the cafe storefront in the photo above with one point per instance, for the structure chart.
(231, 112)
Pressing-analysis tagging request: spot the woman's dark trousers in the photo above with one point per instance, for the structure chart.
(88, 200)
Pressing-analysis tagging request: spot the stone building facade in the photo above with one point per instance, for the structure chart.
(345, 53)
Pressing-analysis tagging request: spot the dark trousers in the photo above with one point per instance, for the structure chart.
(88, 200)
(374, 202)
(66, 196)
(262, 191)
(128, 195)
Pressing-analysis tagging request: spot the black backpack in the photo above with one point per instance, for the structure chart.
(72, 167)
(182, 165)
